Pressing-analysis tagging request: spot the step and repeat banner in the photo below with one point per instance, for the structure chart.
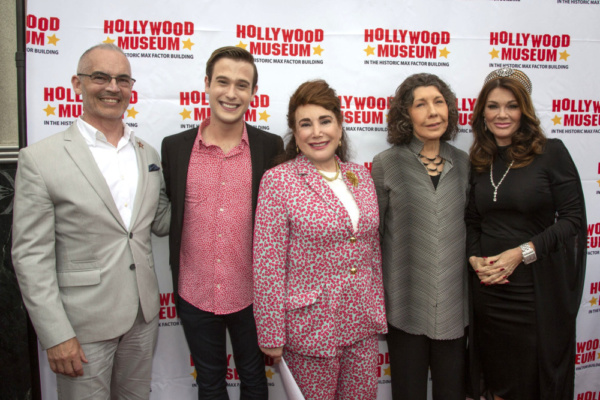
(364, 49)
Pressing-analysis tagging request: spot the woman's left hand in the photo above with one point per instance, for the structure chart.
(501, 267)
(275, 353)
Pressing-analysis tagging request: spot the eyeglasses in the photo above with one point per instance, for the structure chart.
(100, 78)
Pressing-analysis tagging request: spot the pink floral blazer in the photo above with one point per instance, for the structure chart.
(317, 283)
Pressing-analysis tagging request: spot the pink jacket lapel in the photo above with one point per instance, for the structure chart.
(308, 172)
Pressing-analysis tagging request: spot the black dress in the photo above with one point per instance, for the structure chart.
(522, 336)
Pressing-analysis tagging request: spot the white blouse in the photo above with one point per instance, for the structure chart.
(343, 193)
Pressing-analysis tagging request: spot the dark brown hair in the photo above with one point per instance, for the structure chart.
(318, 93)
(400, 127)
(527, 142)
(233, 53)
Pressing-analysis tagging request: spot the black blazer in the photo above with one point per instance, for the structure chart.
(176, 151)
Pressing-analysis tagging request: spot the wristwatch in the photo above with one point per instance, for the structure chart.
(528, 253)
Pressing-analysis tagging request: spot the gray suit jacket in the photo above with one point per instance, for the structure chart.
(81, 271)
(423, 240)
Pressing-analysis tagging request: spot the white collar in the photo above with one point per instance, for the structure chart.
(91, 134)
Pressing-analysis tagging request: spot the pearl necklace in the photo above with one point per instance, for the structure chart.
(499, 183)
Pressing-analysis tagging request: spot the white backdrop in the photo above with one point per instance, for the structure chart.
(364, 49)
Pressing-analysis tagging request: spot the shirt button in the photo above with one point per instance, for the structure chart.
(132, 267)
(220, 209)
(218, 286)
(352, 239)
(219, 235)
(223, 183)
(218, 260)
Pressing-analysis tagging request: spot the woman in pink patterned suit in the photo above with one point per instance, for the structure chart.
(318, 291)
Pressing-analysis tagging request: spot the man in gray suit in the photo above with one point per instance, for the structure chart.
(86, 200)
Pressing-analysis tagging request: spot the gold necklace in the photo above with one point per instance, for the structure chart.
(337, 173)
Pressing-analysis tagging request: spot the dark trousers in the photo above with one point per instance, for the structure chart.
(411, 356)
(205, 334)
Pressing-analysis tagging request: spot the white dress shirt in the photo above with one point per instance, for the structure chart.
(117, 164)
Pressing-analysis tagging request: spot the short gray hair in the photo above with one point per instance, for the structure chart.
(103, 46)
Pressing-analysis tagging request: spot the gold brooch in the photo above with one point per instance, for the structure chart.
(140, 145)
(352, 178)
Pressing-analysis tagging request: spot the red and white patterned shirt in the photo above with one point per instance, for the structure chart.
(216, 242)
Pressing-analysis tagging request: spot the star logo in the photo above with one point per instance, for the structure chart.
(132, 113)
(556, 119)
(264, 116)
(194, 374)
(187, 44)
(444, 52)
(318, 50)
(387, 371)
(593, 301)
(598, 183)
(185, 114)
(494, 53)
(564, 55)
(53, 40)
(369, 50)
(269, 373)
(241, 45)
(109, 40)
(49, 110)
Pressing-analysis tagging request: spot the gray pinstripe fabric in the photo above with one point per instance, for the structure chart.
(423, 240)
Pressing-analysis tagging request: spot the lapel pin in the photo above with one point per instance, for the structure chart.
(140, 144)
(352, 178)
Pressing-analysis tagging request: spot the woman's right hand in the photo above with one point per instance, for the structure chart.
(275, 353)
(487, 272)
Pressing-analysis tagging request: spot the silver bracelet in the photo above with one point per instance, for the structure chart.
(529, 255)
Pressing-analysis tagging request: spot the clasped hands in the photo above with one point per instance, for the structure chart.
(495, 270)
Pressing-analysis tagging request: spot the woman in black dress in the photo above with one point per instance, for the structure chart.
(526, 243)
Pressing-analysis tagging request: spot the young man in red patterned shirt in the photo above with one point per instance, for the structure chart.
(212, 175)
